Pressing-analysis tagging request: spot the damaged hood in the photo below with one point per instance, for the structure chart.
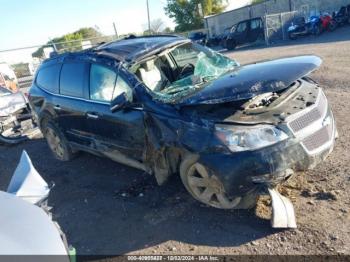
(248, 81)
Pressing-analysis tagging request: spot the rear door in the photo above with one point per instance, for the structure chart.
(256, 30)
(241, 33)
(71, 104)
(122, 130)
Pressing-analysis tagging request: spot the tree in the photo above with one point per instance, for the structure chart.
(188, 14)
(65, 43)
(157, 26)
(168, 30)
(253, 2)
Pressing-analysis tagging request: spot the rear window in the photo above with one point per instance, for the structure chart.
(48, 78)
(72, 79)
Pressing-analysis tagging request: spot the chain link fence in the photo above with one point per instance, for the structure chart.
(23, 61)
(276, 26)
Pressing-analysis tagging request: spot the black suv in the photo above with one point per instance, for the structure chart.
(247, 31)
(167, 105)
(198, 37)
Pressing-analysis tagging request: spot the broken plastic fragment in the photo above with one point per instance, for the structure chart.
(283, 215)
(27, 183)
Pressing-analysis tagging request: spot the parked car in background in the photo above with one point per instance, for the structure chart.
(342, 17)
(220, 39)
(8, 77)
(225, 34)
(247, 31)
(198, 37)
(213, 41)
(166, 105)
(16, 123)
(298, 28)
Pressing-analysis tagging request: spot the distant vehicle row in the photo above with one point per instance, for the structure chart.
(315, 25)
(247, 31)
(252, 30)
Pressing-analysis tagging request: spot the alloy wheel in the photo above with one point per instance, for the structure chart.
(208, 188)
(54, 142)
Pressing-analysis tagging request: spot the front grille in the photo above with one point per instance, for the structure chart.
(318, 118)
(318, 139)
(310, 117)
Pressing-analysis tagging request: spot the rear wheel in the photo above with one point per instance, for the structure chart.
(57, 142)
(207, 188)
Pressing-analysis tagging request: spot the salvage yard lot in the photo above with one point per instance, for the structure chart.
(107, 208)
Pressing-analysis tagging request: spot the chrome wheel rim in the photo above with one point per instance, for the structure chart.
(208, 188)
(54, 142)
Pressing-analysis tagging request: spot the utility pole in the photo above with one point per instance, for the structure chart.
(149, 21)
(53, 44)
(115, 30)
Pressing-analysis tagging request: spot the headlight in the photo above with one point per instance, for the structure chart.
(244, 138)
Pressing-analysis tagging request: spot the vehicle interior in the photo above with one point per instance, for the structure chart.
(181, 68)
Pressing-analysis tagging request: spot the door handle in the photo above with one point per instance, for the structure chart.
(92, 115)
(57, 107)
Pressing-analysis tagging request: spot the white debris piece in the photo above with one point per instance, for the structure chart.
(283, 215)
(27, 183)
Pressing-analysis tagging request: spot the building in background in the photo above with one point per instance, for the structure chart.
(216, 24)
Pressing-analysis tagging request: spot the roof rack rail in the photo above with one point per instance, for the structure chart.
(132, 36)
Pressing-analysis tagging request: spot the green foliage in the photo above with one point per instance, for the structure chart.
(188, 14)
(253, 2)
(61, 42)
(168, 30)
(21, 69)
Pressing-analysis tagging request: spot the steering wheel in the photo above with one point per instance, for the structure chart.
(186, 70)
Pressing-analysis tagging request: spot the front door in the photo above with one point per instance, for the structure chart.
(256, 30)
(241, 33)
(122, 130)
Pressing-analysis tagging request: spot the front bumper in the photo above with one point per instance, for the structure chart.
(312, 135)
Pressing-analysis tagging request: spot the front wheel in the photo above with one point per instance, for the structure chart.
(231, 45)
(57, 142)
(332, 26)
(292, 36)
(204, 186)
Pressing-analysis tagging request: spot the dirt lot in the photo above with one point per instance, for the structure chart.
(108, 208)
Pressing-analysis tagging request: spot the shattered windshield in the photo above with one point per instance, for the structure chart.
(182, 71)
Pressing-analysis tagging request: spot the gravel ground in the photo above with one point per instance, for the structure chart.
(107, 208)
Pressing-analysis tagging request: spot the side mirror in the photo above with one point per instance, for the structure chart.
(119, 102)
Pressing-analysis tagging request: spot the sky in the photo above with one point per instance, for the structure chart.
(33, 22)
